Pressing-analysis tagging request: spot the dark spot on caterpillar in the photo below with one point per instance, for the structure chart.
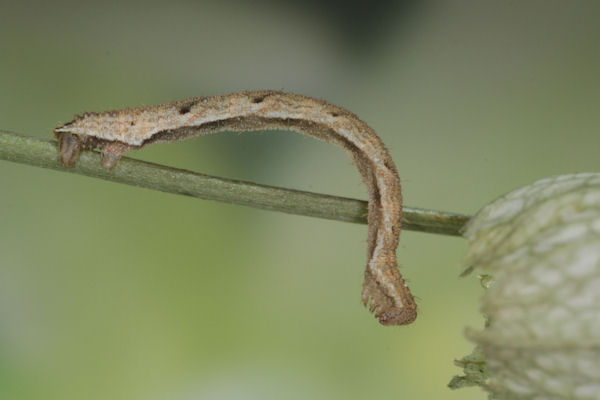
(259, 99)
(334, 114)
(388, 165)
(132, 123)
(186, 107)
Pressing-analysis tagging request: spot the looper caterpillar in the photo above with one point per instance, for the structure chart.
(116, 132)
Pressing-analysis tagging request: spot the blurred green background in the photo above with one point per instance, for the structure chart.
(114, 292)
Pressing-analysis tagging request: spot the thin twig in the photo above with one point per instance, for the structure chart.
(43, 153)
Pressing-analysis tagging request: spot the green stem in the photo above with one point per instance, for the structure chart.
(43, 153)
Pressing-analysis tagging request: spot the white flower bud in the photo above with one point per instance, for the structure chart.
(541, 244)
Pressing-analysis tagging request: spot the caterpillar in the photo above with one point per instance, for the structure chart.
(116, 132)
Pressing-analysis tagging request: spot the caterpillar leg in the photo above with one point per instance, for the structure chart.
(112, 152)
(69, 146)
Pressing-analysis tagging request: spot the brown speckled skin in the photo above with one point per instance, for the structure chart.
(116, 132)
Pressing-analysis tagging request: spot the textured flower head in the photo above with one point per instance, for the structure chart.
(541, 244)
